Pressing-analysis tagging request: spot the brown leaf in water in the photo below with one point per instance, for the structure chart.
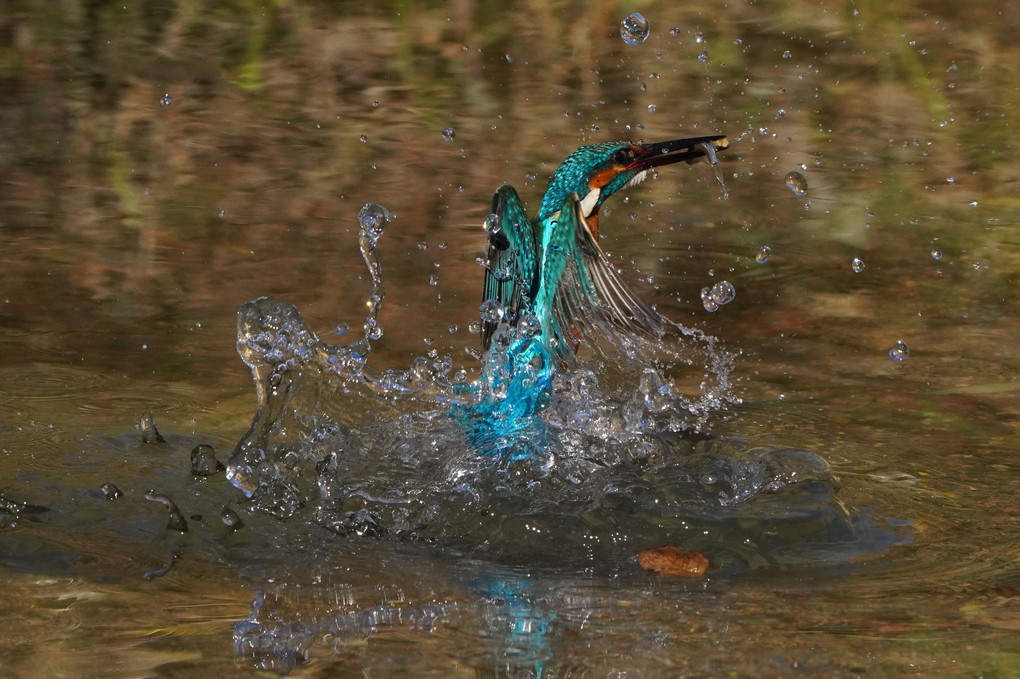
(673, 561)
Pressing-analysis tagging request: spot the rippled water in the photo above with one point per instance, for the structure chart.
(163, 167)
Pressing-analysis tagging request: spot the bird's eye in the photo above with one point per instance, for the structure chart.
(623, 156)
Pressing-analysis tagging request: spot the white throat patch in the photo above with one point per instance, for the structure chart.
(588, 202)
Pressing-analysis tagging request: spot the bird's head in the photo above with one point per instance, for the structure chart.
(598, 171)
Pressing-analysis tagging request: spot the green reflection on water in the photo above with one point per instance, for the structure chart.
(120, 279)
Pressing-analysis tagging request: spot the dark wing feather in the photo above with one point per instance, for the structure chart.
(510, 276)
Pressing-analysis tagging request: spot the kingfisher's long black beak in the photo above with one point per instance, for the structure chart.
(667, 152)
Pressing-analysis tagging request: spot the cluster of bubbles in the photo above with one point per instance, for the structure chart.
(716, 296)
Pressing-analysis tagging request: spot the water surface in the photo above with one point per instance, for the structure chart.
(134, 225)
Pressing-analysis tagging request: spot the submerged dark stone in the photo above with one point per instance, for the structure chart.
(230, 519)
(171, 559)
(149, 432)
(176, 520)
(9, 506)
(204, 462)
(111, 491)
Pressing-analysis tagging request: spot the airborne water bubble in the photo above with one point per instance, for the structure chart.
(797, 183)
(763, 254)
(857, 265)
(165, 100)
(723, 292)
(373, 218)
(529, 325)
(900, 351)
(492, 224)
(707, 299)
(634, 29)
(490, 311)
(449, 133)
(936, 254)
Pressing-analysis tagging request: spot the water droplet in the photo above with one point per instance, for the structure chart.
(797, 183)
(474, 327)
(531, 175)
(490, 311)
(166, 100)
(651, 108)
(434, 279)
(529, 325)
(509, 58)
(449, 133)
(857, 265)
(341, 328)
(900, 351)
(973, 204)
(763, 254)
(703, 57)
(363, 138)
(675, 32)
(373, 218)
(230, 519)
(375, 332)
(634, 29)
(699, 37)
(936, 254)
(594, 128)
(223, 214)
(492, 224)
(453, 328)
(786, 54)
(723, 292)
(706, 299)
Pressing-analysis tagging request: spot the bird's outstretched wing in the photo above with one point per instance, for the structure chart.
(511, 273)
(592, 298)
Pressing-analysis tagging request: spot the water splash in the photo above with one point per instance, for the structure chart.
(713, 161)
(535, 461)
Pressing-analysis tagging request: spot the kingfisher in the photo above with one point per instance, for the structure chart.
(548, 283)
(550, 270)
